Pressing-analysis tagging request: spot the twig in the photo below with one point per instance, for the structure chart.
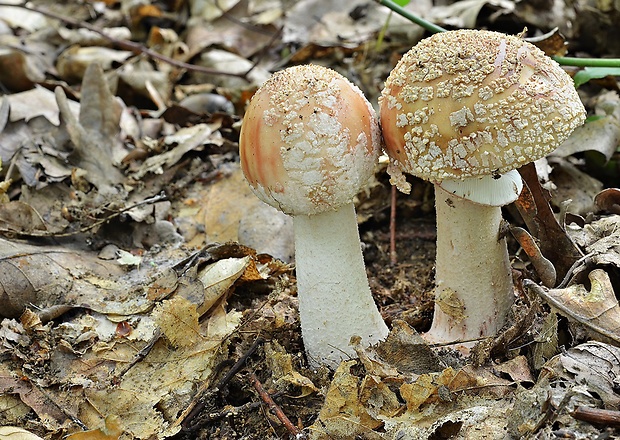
(393, 256)
(585, 260)
(597, 416)
(203, 393)
(273, 407)
(124, 44)
(157, 198)
(138, 357)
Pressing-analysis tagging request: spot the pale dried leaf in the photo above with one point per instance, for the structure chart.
(48, 275)
(342, 414)
(223, 205)
(187, 139)
(211, 9)
(596, 365)
(573, 184)
(283, 375)
(37, 102)
(74, 61)
(602, 135)
(151, 395)
(127, 258)
(597, 309)
(111, 431)
(38, 400)
(21, 18)
(178, 321)
(16, 216)
(218, 278)
(464, 14)
(96, 135)
(15, 433)
(517, 369)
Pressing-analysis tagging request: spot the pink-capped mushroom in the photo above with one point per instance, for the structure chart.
(463, 109)
(309, 143)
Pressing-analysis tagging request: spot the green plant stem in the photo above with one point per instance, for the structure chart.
(588, 62)
(411, 17)
(565, 61)
(382, 32)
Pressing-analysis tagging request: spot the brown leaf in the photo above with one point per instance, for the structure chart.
(16, 216)
(608, 200)
(406, 350)
(35, 398)
(597, 309)
(111, 431)
(17, 71)
(46, 275)
(96, 132)
(554, 242)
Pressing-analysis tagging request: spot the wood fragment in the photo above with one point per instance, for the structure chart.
(393, 256)
(273, 406)
(544, 268)
(597, 416)
(186, 419)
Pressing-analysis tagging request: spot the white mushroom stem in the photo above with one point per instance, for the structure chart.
(335, 302)
(474, 288)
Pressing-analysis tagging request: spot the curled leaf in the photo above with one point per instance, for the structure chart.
(597, 309)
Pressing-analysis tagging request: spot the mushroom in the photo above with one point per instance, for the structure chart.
(309, 143)
(463, 109)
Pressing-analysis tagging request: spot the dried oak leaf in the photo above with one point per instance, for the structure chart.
(45, 276)
(592, 364)
(555, 244)
(283, 374)
(96, 134)
(35, 398)
(350, 406)
(596, 309)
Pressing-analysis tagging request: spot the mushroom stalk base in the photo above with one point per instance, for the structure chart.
(335, 302)
(474, 290)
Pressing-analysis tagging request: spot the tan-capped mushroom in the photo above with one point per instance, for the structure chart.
(463, 109)
(309, 143)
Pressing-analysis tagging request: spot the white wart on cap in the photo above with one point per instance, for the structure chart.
(469, 103)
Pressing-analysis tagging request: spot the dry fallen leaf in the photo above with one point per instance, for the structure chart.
(15, 433)
(585, 374)
(595, 364)
(46, 276)
(37, 399)
(151, 395)
(283, 374)
(596, 309)
(343, 414)
(111, 431)
(95, 136)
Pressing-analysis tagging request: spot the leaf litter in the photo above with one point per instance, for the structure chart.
(145, 293)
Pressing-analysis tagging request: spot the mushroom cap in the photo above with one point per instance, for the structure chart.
(468, 103)
(309, 141)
